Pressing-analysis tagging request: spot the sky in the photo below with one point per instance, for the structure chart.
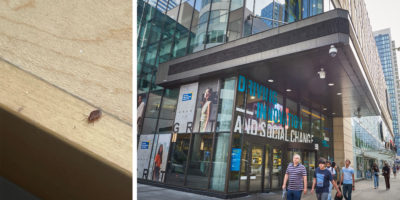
(385, 14)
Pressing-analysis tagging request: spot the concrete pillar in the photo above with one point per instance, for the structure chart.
(342, 140)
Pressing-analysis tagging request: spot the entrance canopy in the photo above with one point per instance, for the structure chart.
(288, 59)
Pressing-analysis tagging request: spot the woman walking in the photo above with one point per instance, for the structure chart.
(386, 174)
(375, 172)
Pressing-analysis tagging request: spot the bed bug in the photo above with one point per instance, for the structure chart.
(94, 116)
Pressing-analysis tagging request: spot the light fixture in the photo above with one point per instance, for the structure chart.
(333, 113)
(270, 80)
(288, 90)
(322, 74)
(325, 109)
(339, 93)
(332, 51)
(252, 97)
(331, 84)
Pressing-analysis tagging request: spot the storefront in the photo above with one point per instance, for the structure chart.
(230, 117)
(234, 135)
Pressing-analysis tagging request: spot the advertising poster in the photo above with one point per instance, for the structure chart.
(235, 160)
(143, 154)
(206, 110)
(186, 107)
(159, 158)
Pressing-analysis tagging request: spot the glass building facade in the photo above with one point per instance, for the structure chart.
(169, 29)
(372, 144)
(231, 134)
(384, 45)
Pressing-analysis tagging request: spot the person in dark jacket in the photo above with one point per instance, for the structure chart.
(375, 173)
(386, 174)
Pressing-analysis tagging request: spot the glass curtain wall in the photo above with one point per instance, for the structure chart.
(174, 28)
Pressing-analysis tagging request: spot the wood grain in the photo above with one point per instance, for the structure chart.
(65, 117)
(81, 46)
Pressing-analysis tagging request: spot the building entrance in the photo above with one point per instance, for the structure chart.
(261, 167)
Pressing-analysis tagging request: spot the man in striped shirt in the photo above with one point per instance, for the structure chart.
(297, 175)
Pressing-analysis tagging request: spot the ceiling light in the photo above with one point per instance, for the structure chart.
(331, 84)
(322, 74)
(339, 93)
(252, 97)
(270, 80)
(325, 109)
(333, 113)
(288, 90)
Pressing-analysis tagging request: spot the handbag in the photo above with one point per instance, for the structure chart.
(339, 197)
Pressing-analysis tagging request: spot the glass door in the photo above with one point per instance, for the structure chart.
(276, 174)
(308, 161)
(255, 171)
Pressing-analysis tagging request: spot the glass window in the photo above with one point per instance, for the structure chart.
(199, 25)
(315, 7)
(206, 109)
(292, 118)
(305, 115)
(181, 42)
(248, 20)
(240, 105)
(275, 116)
(153, 105)
(216, 33)
(279, 12)
(149, 126)
(293, 10)
(220, 160)
(169, 103)
(172, 6)
(166, 40)
(236, 159)
(235, 24)
(226, 104)
(263, 9)
(179, 153)
(199, 166)
(236, 4)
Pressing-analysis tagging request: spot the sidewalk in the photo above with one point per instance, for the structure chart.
(364, 190)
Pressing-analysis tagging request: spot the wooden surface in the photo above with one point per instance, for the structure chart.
(65, 117)
(81, 46)
(50, 168)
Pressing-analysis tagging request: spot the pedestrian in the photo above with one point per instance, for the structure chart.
(331, 169)
(386, 174)
(347, 180)
(375, 171)
(297, 175)
(394, 170)
(322, 178)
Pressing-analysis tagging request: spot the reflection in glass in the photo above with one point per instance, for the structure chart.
(263, 8)
(248, 20)
(243, 168)
(227, 95)
(220, 161)
(235, 24)
(276, 169)
(292, 119)
(235, 174)
(279, 13)
(199, 166)
(256, 168)
(177, 164)
(267, 184)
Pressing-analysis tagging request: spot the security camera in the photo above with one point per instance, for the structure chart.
(332, 51)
